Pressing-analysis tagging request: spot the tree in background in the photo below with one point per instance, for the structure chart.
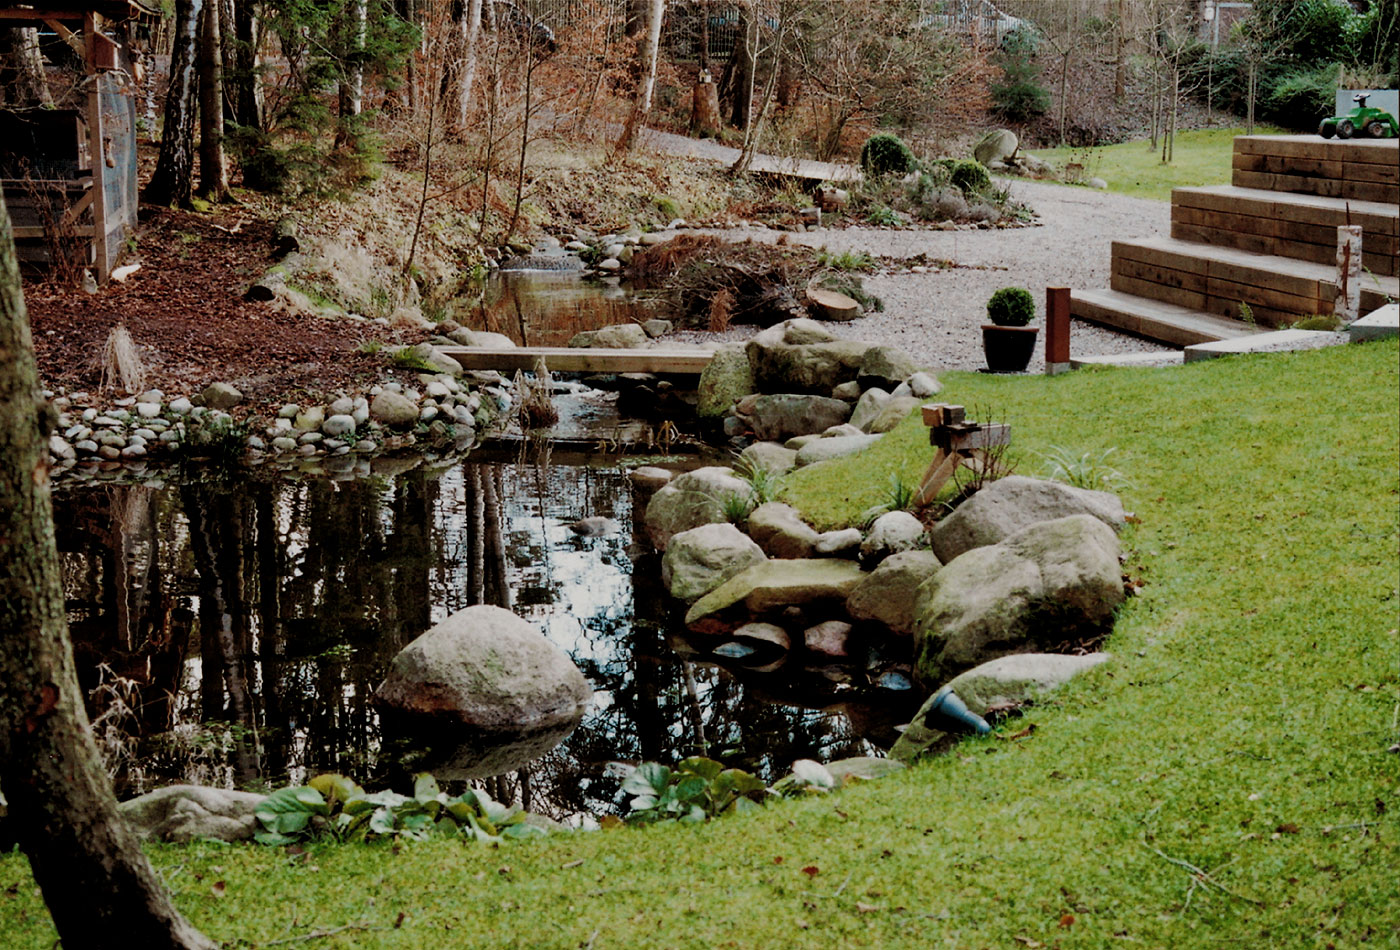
(173, 178)
(648, 53)
(213, 169)
(100, 889)
(1018, 95)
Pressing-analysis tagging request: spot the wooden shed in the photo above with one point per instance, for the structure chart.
(69, 171)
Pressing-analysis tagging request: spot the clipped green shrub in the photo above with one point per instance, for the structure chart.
(1011, 307)
(886, 154)
(970, 178)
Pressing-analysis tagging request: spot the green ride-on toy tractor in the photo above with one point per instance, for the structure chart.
(1363, 120)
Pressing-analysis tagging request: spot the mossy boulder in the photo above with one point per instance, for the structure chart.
(726, 379)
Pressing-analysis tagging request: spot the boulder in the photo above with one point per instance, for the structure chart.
(657, 328)
(483, 338)
(726, 379)
(221, 396)
(782, 416)
(780, 531)
(821, 450)
(890, 593)
(485, 668)
(765, 636)
(923, 385)
(1009, 681)
(649, 478)
(619, 336)
(885, 366)
(782, 367)
(868, 407)
(770, 587)
(438, 361)
(183, 813)
(892, 532)
(1005, 506)
(802, 331)
(894, 412)
(842, 543)
(848, 391)
(1051, 582)
(690, 500)
(843, 430)
(394, 410)
(594, 526)
(769, 457)
(828, 639)
(996, 146)
(699, 560)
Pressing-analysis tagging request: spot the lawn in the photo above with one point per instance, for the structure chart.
(1200, 157)
(1224, 781)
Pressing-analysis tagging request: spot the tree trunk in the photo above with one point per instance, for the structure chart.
(99, 887)
(1064, 90)
(1120, 54)
(743, 57)
(247, 109)
(172, 180)
(213, 170)
(470, 29)
(641, 105)
(754, 131)
(352, 86)
(28, 87)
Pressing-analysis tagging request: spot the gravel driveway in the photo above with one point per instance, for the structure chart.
(937, 316)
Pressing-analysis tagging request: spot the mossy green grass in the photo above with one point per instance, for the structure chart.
(1199, 157)
(1224, 781)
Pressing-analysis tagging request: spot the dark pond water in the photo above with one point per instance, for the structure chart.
(546, 308)
(232, 633)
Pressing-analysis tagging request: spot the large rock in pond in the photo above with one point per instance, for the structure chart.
(1052, 582)
(1008, 682)
(780, 531)
(771, 586)
(1008, 505)
(782, 366)
(727, 378)
(690, 500)
(779, 417)
(699, 560)
(182, 813)
(888, 595)
(486, 669)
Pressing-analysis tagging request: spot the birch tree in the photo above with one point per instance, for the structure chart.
(172, 180)
(641, 105)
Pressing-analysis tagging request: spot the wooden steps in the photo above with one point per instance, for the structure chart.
(571, 359)
(1217, 280)
(1154, 319)
(1290, 225)
(1268, 241)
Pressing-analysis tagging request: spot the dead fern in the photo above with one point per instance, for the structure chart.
(721, 309)
(536, 407)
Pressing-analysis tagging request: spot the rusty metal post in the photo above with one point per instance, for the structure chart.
(1056, 330)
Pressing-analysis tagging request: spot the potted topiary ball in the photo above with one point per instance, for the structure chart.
(1007, 341)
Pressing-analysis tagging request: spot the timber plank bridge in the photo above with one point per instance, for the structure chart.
(675, 360)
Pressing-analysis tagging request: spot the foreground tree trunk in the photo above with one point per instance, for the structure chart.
(99, 887)
(247, 109)
(213, 170)
(173, 178)
(25, 80)
(641, 106)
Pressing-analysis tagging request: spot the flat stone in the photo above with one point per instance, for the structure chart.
(835, 543)
(821, 450)
(771, 586)
(765, 634)
(1278, 341)
(184, 813)
(828, 639)
(1168, 358)
(1376, 325)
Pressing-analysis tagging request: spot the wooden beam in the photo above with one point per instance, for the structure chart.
(567, 359)
(69, 37)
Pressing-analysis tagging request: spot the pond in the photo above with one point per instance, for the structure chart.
(232, 632)
(546, 307)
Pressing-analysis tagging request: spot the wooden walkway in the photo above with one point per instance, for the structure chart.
(573, 359)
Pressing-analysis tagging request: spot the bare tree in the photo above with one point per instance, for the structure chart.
(99, 887)
(213, 169)
(468, 30)
(650, 51)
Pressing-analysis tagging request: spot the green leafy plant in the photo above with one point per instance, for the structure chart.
(971, 178)
(369, 347)
(764, 483)
(884, 216)
(1011, 307)
(1247, 313)
(405, 358)
(1086, 470)
(1319, 321)
(736, 507)
(334, 806)
(846, 260)
(886, 154)
(899, 496)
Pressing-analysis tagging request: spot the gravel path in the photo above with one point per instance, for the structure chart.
(937, 316)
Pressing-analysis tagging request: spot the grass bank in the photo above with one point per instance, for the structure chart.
(1242, 730)
(1200, 157)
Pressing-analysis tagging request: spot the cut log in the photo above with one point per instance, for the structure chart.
(829, 305)
(273, 281)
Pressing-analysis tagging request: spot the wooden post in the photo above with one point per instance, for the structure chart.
(1056, 330)
(1347, 306)
(97, 152)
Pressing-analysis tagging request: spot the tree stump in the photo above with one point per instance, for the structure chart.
(704, 109)
(829, 305)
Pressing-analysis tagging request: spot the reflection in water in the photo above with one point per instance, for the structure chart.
(546, 308)
(257, 617)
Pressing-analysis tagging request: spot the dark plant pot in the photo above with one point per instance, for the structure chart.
(1008, 349)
